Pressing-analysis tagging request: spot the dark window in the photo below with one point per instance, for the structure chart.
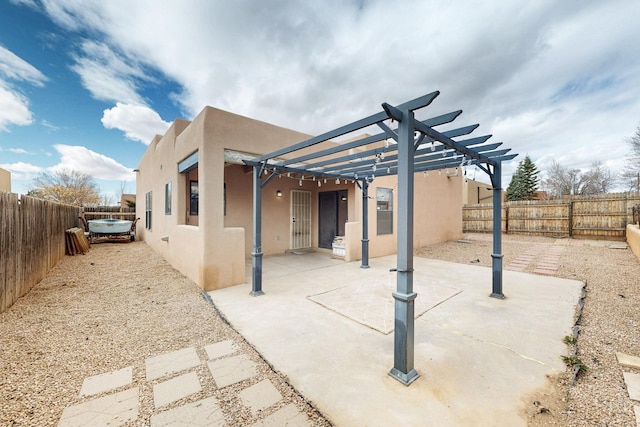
(193, 198)
(384, 206)
(147, 211)
(167, 198)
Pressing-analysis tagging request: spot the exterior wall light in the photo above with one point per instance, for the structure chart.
(278, 193)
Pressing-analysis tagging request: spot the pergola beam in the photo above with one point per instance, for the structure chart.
(417, 103)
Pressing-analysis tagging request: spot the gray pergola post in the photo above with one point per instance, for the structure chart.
(404, 296)
(256, 254)
(365, 224)
(496, 262)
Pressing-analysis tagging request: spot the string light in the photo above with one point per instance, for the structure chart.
(433, 146)
(374, 167)
(337, 180)
(355, 176)
(325, 180)
(319, 184)
(288, 175)
(265, 171)
(300, 183)
(386, 143)
(388, 170)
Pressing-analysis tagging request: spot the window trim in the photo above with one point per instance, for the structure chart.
(197, 199)
(148, 210)
(167, 198)
(384, 212)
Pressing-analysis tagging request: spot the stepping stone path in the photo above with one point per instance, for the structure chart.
(631, 380)
(172, 377)
(543, 257)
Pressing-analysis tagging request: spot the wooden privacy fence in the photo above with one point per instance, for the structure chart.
(32, 241)
(595, 217)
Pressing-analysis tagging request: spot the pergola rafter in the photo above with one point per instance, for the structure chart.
(413, 146)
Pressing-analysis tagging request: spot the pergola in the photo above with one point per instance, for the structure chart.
(406, 148)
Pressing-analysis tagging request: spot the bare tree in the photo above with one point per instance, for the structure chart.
(562, 181)
(66, 186)
(631, 176)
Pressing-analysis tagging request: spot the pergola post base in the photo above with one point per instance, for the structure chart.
(405, 379)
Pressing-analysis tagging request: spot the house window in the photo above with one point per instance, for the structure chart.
(384, 207)
(147, 211)
(167, 198)
(193, 198)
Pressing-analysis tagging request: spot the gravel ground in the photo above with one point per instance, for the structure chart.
(88, 317)
(609, 324)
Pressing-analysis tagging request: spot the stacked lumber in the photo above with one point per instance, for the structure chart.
(76, 241)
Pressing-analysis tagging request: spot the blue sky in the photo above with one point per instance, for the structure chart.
(86, 85)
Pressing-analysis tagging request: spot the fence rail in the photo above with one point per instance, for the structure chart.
(31, 243)
(595, 217)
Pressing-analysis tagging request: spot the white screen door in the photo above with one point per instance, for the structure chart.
(300, 219)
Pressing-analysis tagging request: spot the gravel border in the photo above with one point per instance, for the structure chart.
(608, 324)
(89, 317)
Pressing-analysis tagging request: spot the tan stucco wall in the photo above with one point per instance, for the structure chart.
(474, 192)
(633, 239)
(5, 180)
(213, 252)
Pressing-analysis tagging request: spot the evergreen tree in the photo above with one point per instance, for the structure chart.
(524, 183)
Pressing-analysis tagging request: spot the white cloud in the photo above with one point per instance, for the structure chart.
(95, 164)
(106, 75)
(14, 107)
(21, 170)
(15, 68)
(550, 79)
(138, 122)
(18, 150)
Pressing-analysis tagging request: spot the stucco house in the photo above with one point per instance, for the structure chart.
(5, 180)
(194, 199)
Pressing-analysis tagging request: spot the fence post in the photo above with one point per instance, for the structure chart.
(570, 209)
(506, 218)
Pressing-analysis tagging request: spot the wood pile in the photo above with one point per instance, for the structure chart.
(76, 241)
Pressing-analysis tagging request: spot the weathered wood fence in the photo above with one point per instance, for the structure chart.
(32, 241)
(101, 212)
(595, 217)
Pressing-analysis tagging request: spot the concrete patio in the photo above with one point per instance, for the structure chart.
(327, 325)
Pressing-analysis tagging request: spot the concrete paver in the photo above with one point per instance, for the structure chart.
(633, 385)
(260, 396)
(111, 410)
(105, 382)
(169, 363)
(231, 370)
(175, 389)
(205, 412)
(628, 360)
(289, 416)
(220, 349)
